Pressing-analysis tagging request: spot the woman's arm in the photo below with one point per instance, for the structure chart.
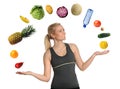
(47, 69)
(84, 65)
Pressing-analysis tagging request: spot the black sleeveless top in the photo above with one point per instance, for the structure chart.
(64, 70)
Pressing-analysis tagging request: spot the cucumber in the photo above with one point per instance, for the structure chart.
(103, 35)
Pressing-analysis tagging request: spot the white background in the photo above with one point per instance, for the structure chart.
(103, 73)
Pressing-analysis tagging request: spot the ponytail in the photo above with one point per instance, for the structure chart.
(47, 42)
(51, 30)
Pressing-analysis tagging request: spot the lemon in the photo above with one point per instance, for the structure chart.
(103, 44)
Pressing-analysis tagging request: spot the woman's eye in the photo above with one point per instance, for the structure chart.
(62, 30)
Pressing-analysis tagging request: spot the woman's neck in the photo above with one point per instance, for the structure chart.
(59, 44)
(60, 48)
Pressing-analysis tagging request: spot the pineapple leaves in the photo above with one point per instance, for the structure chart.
(27, 31)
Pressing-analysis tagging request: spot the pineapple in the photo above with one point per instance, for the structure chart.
(17, 36)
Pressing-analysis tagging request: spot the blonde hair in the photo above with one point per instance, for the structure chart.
(47, 38)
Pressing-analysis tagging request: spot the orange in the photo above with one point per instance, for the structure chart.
(14, 54)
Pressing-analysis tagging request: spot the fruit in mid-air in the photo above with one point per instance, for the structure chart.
(103, 44)
(24, 19)
(76, 9)
(17, 36)
(18, 65)
(37, 12)
(62, 12)
(14, 54)
(97, 23)
(49, 9)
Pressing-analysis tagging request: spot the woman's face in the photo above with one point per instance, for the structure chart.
(59, 33)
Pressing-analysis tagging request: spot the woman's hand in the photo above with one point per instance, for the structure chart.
(43, 77)
(101, 52)
(24, 73)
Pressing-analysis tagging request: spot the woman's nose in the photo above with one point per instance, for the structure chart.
(64, 32)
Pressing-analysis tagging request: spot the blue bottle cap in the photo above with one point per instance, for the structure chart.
(84, 26)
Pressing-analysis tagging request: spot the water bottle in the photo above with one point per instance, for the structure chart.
(87, 17)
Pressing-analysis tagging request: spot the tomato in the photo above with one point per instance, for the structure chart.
(97, 23)
(14, 54)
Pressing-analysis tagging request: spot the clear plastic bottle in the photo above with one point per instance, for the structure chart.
(87, 17)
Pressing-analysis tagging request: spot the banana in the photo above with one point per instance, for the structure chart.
(24, 19)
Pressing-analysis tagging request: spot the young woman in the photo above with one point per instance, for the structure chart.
(62, 57)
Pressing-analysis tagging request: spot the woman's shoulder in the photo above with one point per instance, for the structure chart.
(73, 46)
(47, 53)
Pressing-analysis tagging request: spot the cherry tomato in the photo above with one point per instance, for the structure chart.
(97, 23)
(14, 54)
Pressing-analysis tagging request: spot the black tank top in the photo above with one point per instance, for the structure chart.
(64, 70)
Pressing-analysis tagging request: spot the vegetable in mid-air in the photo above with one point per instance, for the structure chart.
(37, 12)
(18, 65)
(62, 12)
(49, 9)
(97, 23)
(103, 35)
(17, 36)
